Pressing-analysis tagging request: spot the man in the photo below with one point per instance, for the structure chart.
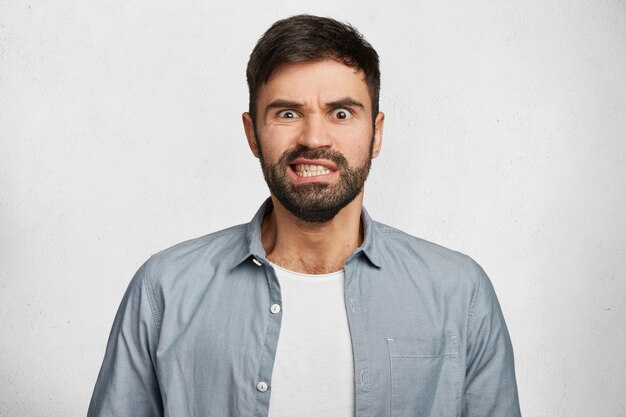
(311, 309)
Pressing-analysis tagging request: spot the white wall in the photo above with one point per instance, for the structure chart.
(505, 138)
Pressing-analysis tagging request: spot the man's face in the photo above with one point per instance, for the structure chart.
(315, 137)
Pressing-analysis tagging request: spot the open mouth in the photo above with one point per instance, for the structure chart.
(309, 170)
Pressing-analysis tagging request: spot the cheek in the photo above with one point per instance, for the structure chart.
(355, 143)
(275, 140)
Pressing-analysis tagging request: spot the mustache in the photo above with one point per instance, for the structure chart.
(317, 153)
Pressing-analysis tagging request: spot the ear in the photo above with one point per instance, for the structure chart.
(378, 134)
(248, 127)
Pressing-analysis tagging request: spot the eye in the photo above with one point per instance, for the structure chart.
(341, 114)
(287, 114)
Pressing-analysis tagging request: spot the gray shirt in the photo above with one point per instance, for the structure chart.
(197, 330)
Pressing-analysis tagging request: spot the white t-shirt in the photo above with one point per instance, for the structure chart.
(313, 371)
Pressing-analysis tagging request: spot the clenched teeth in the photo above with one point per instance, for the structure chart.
(306, 170)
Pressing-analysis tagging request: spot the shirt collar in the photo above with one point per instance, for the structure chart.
(254, 247)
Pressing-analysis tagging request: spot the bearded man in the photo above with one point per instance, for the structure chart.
(312, 308)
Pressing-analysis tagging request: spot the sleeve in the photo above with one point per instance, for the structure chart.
(490, 387)
(127, 384)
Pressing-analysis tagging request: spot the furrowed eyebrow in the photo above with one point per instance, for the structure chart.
(345, 102)
(342, 102)
(281, 104)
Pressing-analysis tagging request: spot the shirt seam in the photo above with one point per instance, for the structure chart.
(470, 317)
(154, 309)
(474, 302)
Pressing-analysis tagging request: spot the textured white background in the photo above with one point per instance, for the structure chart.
(505, 139)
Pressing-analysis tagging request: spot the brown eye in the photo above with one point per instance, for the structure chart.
(341, 114)
(287, 114)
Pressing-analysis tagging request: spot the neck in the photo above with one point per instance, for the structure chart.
(312, 248)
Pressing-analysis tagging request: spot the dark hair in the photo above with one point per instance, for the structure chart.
(305, 38)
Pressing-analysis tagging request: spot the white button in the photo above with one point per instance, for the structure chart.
(261, 386)
(256, 261)
(275, 308)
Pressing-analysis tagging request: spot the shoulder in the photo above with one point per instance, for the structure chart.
(430, 259)
(201, 255)
(181, 273)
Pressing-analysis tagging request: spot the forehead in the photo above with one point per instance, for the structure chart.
(325, 80)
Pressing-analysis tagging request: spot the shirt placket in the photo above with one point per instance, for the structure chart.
(359, 342)
(267, 353)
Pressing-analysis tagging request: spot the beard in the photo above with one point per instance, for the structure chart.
(315, 202)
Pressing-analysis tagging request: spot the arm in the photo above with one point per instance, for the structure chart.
(490, 387)
(127, 384)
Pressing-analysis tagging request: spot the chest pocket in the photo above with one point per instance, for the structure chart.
(425, 378)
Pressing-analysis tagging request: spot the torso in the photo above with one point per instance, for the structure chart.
(313, 372)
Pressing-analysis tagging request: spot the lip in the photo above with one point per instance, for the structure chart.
(318, 178)
(322, 162)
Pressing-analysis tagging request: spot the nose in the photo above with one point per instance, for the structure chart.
(315, 133)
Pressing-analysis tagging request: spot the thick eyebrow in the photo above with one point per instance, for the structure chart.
(342, 102)
(345, 102)
(281, 104)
